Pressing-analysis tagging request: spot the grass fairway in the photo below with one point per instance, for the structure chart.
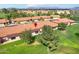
(19, 47)
(2, 15)
(68, 40)
(69, 44)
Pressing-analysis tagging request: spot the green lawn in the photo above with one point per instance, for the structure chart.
(19, 47)
(68, 43)
(2, 15)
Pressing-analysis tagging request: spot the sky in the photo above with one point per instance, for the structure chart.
(38, 5)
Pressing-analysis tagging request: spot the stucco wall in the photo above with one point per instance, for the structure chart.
(2, 25)
(8, 40)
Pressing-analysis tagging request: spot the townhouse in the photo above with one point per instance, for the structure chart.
(33, 11)
(55, 16)
(22, 20)
(25, 20)
(3, 22)
(64, 20)
(59, 11)
(63, 11)
(12, 33)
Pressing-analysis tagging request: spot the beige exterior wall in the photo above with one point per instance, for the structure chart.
(47, 19)
(33, 11)
(9, 40)
(63, 11)
(2, 25)
(55, 16)
(33, 34)
(39, 32)
(23, 22)
(36, 20)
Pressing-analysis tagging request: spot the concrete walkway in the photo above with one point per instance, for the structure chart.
(10, 41)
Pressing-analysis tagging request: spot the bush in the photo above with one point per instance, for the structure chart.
(62, 26)
(27, 36)
(77, 34)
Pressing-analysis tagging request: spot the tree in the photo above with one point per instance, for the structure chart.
(74, 12)
(51, 17)
(62, 15)
(56, 13)
(76, 18)
(14, 15)
(12, 10)
(4, 10)
(8, 16)
(77, 34)
(62, 26)
(42, 19)
(48, 38)
(74, 15)
(27, 37)
(38, 14)
(49, 13)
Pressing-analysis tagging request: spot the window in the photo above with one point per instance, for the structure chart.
(4, 23)
(36, 31)
(2, 40)
(30, 19)
(12, 38)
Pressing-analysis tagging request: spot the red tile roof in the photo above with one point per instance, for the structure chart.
(22, 19)
(46, 17)
(28, 18)
(64, 20)
(19, 28)
(35, 17)
(3, 21)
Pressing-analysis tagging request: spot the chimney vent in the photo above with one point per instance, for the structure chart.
(35, 24)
